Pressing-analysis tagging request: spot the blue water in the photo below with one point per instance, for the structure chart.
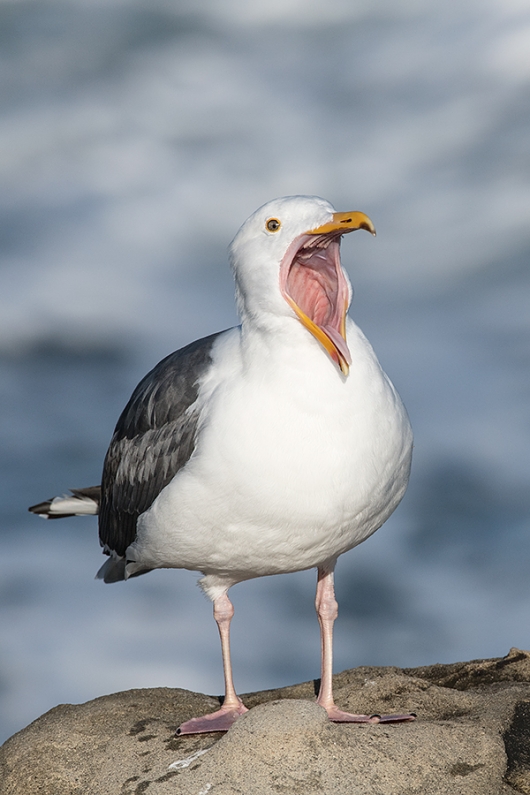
(136, 137)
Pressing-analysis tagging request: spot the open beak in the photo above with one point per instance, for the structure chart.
(314, 285)
(344, 223)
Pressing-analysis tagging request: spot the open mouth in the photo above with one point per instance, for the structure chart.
(313, 284)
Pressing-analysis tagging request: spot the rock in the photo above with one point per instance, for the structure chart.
(472, 737)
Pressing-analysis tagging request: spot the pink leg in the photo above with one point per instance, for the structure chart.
(327, 611)
(233, 707)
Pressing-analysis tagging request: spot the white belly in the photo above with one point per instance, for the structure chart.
(293, 467)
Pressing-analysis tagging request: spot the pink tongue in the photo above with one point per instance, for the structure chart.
(339, 342)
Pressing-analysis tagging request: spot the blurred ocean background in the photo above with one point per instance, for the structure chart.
(136, 136)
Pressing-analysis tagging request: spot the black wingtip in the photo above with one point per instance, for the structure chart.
(41, 509)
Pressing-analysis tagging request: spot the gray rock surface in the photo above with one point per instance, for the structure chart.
(472, 736)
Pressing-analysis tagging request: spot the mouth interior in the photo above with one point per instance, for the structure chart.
(314, 281)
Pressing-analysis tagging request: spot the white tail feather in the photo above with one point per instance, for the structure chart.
(80, 506)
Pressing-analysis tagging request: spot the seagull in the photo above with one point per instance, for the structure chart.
(267, 448)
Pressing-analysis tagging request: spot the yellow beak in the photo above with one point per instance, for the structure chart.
(344, 223)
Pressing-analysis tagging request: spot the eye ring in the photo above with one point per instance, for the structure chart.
(273, 224)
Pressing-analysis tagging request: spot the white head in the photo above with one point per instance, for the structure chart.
(286, 263)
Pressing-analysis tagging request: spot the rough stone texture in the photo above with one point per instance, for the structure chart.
(472, 737)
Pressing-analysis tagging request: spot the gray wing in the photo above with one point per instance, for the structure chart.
(153, 439)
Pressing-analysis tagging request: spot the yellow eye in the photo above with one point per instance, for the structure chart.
(273, 224)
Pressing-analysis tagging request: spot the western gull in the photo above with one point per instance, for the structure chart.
(268, 448)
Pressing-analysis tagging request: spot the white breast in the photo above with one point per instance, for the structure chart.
(294, 465)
